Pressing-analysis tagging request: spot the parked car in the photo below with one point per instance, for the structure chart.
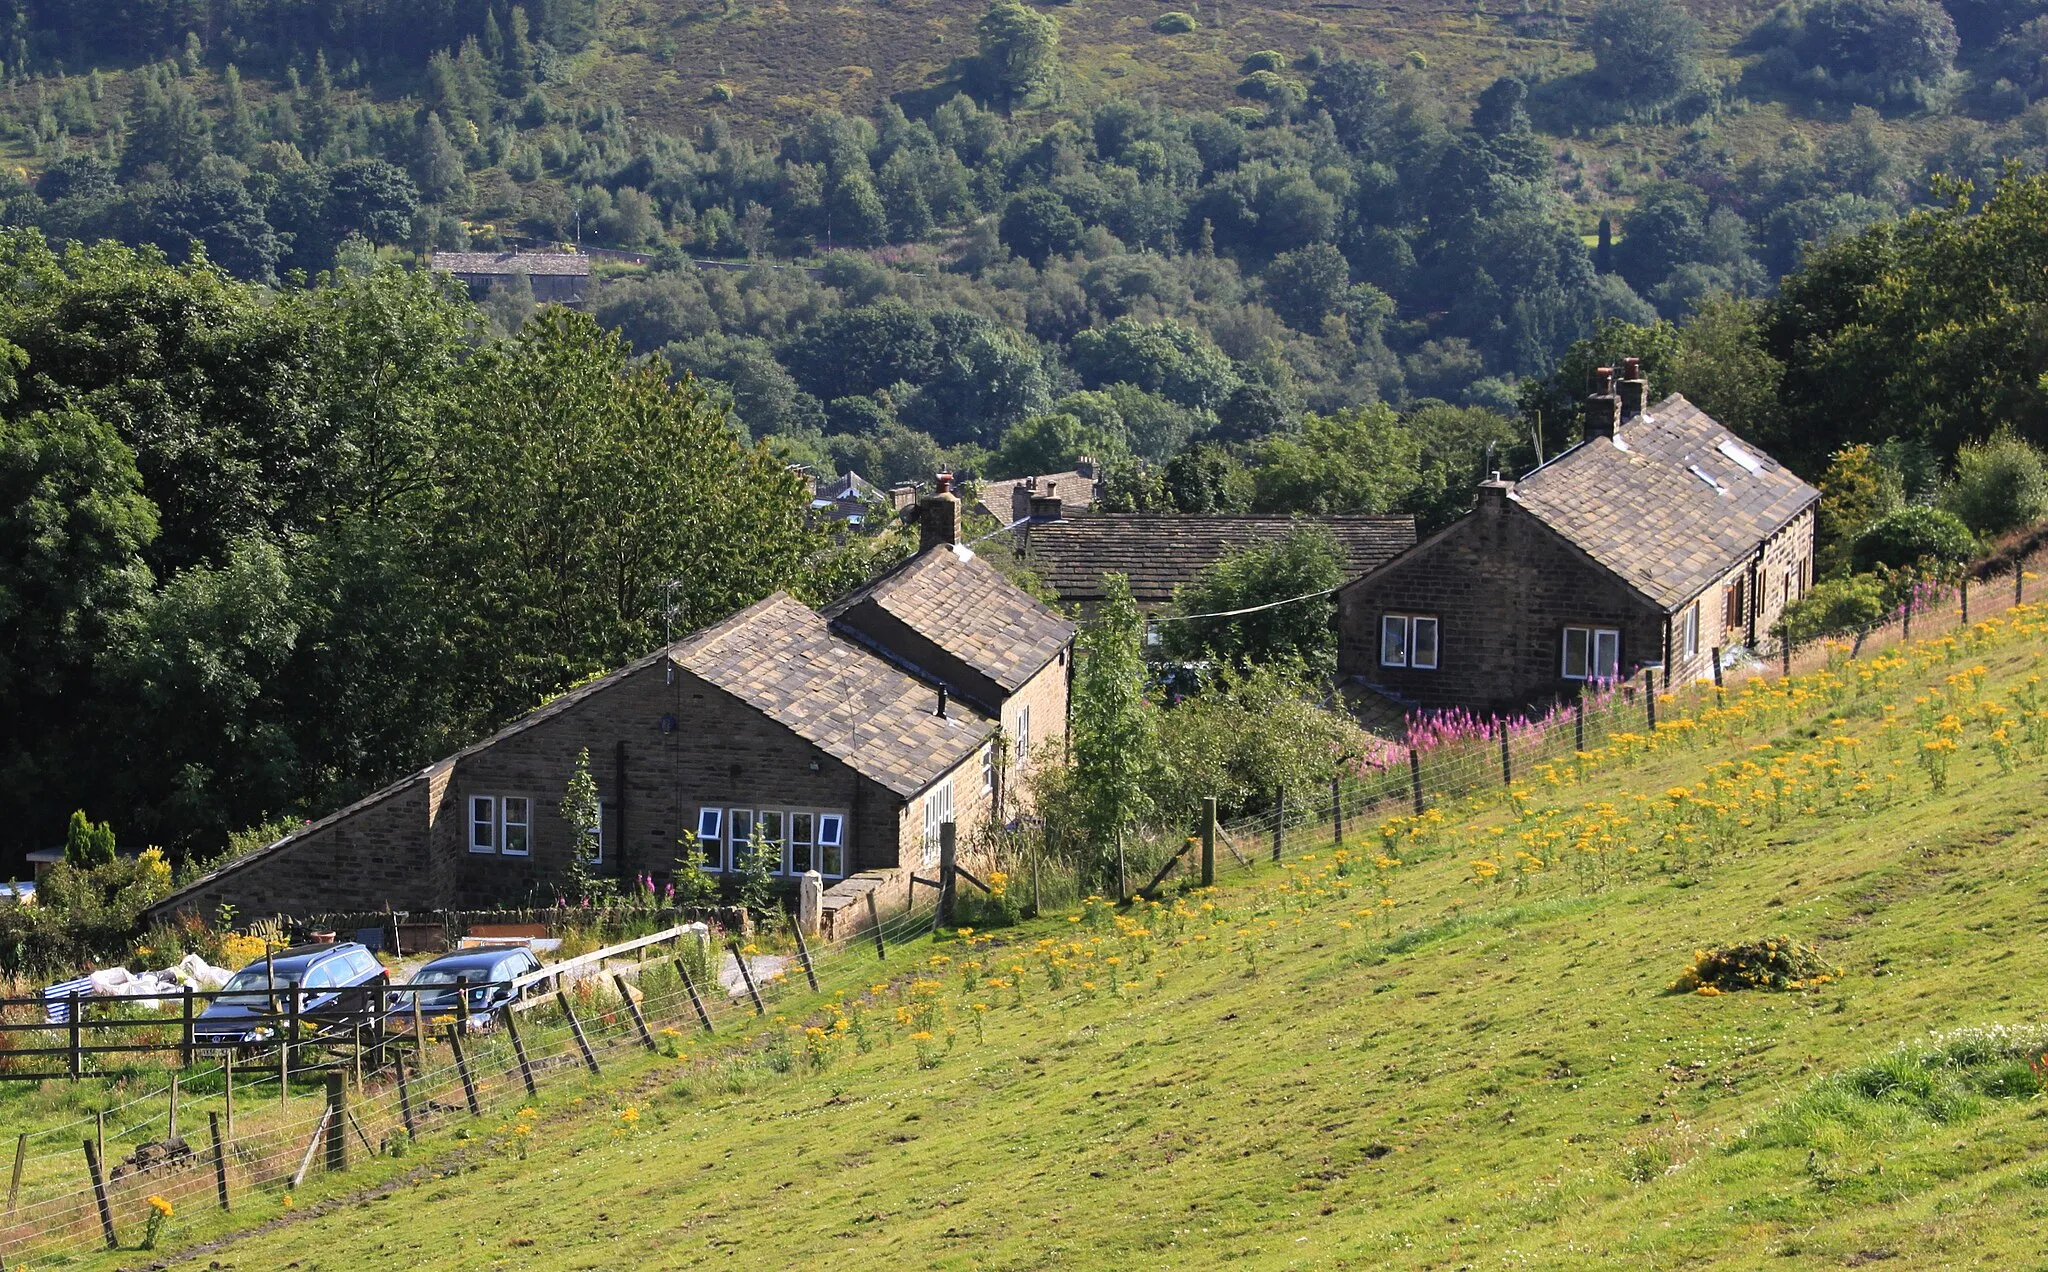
(331, 982)
(489, 973)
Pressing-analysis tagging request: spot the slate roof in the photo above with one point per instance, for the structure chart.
(1076, 492)
(1672, 508)
(1160, 551)
(781, 658)
(506, 264)
(965, 606)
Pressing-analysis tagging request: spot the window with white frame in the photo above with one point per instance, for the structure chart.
(1592, 653)
(795, 840)
(1409, 640)
(711, 837)
(938, 810)
(483, 823)
(501, 824)
(800, 851)
(988, 770)
(515, 826)
(1023, 738)
(600, 836)
(1690, 625)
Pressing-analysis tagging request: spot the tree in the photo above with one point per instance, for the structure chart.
(1207, 478)
(1914, 537)
(217, 215)
(1644, 51)
(1294, 569)
(2000, 485)
(1246, 736)
(1114, 735)
(1454, 442)
(1166, 357)
(1051, 444)
(1877, 50)
(235, 134)
(562, 474)
(1307, 285)
(1666, 230)
(1856, 490)
(1354, 95)
(583, 815)
(1501, 110)
(1037, 225)
(167, 128)
(372, 198)
(1019, 51)
(438, 167)
(1359, 460)
(88, 845)
(858, 216)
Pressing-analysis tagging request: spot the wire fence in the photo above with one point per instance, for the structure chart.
(57, 1206)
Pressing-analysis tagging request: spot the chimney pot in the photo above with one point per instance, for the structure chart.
(938, 517)
(942, 702)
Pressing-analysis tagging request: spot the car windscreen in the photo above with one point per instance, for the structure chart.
(259, 979)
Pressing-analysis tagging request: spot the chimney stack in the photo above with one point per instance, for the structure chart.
(1603, 408)
(1634, 389)
(938, 517)
(1493, 496)
(1045, 508)
(1020, 500)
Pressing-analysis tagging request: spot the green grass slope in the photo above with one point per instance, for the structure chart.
(1489, 1071)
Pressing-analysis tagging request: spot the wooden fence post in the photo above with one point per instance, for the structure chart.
(1336, 812)
(697, 1001)
(1784, 656)
(519, 1051)
(1906, 633)
(404, 1099)
(462, 1070)
(948, 855)
(99, 1132)
(171, 1131)
(2019, 579)
(1507, 768)
(185, 1037)
(1650, 698)
(1208, 840)
(747, 976)
(1717, 672)
(1579, 714)
(1415, 777)
(875, 914)
(220, 1160)
(99, 1194)
(337, 1125)
(312, 1147)
(227, 1089)
(803, 954)
(284, 1053)
(14, 1181)
(1966, 600)
(576, 1028)
(1279, 821)
(633, 1009)
(76, 1019)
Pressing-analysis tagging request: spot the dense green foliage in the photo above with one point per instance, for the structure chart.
(271, 551)
(1305, 562)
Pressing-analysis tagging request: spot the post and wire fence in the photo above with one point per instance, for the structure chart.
(252, 1133)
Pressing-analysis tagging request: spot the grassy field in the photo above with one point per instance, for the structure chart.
(1490, 1071)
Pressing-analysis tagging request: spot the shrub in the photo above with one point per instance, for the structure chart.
(88, 844)
(1266, 86)
(1913, 536)
(1174, 23)
(1833, 606)
(1999, 485)
(1774, 963)
(1263, 60)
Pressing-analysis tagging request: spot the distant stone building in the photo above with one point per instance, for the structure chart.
(838, 741)
(560, 278)
(1009, 500)
(1656, 540)
(1159, 552)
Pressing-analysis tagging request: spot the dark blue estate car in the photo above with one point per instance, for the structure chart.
(331, 981)
(489, 971)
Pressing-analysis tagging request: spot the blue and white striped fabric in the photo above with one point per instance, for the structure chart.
(57, 999)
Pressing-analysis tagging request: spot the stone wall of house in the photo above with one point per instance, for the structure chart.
(1780, 574)
(367, 857)
(1503, 587)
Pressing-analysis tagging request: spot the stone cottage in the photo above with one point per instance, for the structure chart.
(839, 741)
(1656, 540)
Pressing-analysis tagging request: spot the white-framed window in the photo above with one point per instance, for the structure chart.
(801, 854)
(739, 829)
(1023, 744)
(1409, 640)
(1690, 624)
(483, 823)
(600, 835)
(771, 827)
(938, 810)
(1591, 653)
(831, 845)
(711, 837)
(515, 824)
(988, 770)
